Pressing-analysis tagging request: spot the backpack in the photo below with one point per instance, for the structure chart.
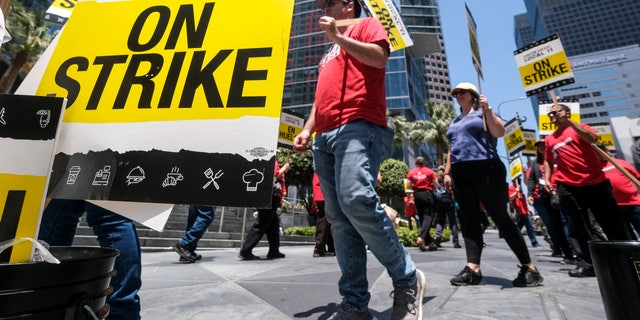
(442, 197)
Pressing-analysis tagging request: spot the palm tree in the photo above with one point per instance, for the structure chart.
(401, 124)
(30, 37)
(433, 131)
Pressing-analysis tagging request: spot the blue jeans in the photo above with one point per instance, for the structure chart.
(556, 224)
(347, 160)
(525, 220)
(198, 220)
(58, 227)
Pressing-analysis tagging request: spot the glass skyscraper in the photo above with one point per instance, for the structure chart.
(601, 40)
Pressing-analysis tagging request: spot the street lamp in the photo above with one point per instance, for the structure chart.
(512, 100)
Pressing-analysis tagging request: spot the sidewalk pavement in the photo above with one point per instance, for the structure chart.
(302, 287)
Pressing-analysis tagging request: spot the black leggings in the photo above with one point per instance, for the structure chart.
(484, 181)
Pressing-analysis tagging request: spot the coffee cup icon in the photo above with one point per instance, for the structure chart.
(73, 174)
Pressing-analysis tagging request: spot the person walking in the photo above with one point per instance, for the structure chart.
(625, 191)
(475, 174)
(518, 202)
(324, 240)
(554, 220)
(581, 184)
(410, 209)
(268, 221)
(423, 181)
(352, 138)
(445, 212)
(198, 220)
(58, 228)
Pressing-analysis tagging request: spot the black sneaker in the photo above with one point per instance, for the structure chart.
(185, 253)
(407, 302)
(342, 314)
(198, 258)
(467, 277)
(582, 272)
(527, 278)
(247, 257)
(278, 255)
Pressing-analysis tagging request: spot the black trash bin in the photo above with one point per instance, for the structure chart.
(40, 290)
(617, 266)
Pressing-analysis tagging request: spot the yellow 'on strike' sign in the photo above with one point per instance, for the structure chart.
(155, 60)
(543, 65)
(386, 12)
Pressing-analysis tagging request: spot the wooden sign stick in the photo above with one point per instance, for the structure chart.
(618, 166)
(347, 22)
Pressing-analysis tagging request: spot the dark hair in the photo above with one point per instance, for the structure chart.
(564, 107)
(357, 9)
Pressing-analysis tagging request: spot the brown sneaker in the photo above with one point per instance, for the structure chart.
(421, 245)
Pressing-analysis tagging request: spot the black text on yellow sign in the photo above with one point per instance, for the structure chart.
(288, 132)
(552, 67)
(547, 127)
(171, 59)
(20, 203)
(383, 15)
(515, 169)
(514, 140)
(65, 4)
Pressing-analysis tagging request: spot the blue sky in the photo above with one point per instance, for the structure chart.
(495, 30)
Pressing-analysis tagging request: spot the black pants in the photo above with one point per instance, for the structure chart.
(424, 201)
(324, 239)
(484, 181)
(268, 223)
(576, 201)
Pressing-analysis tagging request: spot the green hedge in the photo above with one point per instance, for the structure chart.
(407, 237)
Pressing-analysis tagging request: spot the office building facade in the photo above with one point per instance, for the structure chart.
(601, 40)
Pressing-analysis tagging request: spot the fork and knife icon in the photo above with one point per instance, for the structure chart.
(209, 174)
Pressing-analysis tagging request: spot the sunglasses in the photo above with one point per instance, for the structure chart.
(554, 113)
(460, 92)
(331, 3)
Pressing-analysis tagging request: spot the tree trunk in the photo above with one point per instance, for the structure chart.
(5, 5)
(9, 76)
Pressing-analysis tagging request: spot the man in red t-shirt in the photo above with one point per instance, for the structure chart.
(518, 203)
(625, 191)
(352, 139)
(423, 181)
(581, 184)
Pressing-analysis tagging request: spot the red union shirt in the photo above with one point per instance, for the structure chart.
(317, 192)
(625, 192)
(519, 203)
(577, 164)
(421, 178)
(347, 89)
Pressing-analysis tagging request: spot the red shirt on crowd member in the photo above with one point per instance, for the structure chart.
(409, 206)
(317, 192)
(518, 200)
(625, 192)
(279, 173)
(422, 178)
(336, 104)
(575, 160)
